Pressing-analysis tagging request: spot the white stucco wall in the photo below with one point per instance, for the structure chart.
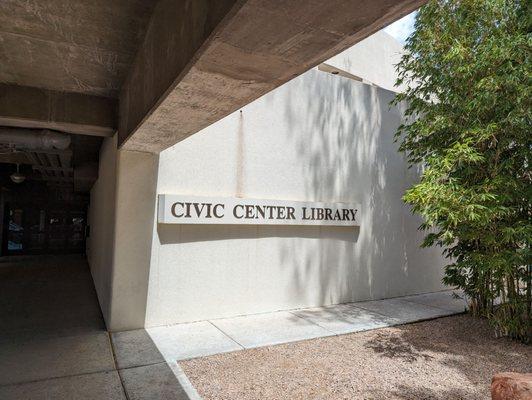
(101, 219)
(318, 138)
(373, 60)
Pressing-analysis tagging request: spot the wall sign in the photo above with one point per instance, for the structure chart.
(176, 209)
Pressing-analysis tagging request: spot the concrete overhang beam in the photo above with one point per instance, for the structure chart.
(202, 60)
(29, 107)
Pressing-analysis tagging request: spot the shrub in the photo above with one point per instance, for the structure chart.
(467, 68)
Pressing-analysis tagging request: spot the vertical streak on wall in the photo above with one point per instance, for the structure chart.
(240, 147)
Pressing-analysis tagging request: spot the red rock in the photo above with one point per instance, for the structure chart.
(511, 386)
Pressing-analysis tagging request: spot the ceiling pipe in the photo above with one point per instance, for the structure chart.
(35, 140)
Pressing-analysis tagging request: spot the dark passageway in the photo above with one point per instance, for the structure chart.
(53, 340)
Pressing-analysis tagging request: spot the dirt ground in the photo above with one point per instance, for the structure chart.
(447, 358)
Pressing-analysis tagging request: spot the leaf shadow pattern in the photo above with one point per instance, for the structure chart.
(457, 344)
(343, 132)
(394, 346)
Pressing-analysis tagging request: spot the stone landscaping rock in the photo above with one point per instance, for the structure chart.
(511, 386)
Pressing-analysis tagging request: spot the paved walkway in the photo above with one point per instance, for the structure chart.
(198, 339)
(53, 342)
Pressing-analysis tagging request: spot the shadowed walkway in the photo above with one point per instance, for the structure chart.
(53, 340)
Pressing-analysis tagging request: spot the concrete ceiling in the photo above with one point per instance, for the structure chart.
(82, 46)
(158, 71)
(256, 46)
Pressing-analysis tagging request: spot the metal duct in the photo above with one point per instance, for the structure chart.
(27, 139)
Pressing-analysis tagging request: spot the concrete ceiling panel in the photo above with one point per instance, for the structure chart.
(70, 45)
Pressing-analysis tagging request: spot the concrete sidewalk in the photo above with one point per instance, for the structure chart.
(144, 348)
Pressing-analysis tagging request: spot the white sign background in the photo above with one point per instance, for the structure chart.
(177, 209)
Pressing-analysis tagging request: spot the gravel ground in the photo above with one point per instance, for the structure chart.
(447, 358)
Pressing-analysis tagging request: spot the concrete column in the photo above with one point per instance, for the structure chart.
(135, 211)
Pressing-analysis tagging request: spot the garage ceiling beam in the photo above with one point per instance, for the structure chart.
(202, 60)
(29, 107)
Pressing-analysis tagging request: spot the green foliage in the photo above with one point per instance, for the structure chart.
(469, 125)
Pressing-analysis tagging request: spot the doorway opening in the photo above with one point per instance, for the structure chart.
(45, 182)
(44, 221)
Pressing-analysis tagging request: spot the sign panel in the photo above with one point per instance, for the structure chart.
(176, 209)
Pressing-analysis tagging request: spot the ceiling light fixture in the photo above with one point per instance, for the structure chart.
(17, 177)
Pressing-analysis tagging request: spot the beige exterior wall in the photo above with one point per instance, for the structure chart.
(135, 212)
(318, 138)
(119, 247)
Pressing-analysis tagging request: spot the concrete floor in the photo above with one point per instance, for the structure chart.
(53, 340)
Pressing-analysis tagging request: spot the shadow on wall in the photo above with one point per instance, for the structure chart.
(331, 139)
(173, 234)
(346, 135)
